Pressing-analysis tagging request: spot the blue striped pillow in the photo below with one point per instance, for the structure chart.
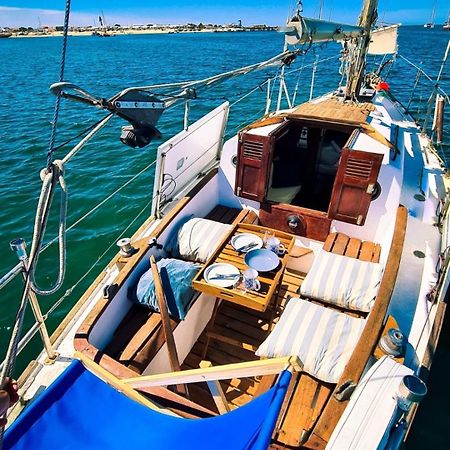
(343, 281)
(323, 339)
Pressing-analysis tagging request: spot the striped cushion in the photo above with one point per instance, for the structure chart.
(197, 239)
(343, 281)
(322, 338)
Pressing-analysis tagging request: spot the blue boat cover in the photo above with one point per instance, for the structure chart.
(80, 411)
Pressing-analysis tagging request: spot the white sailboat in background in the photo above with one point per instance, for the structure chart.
(430, 24)
(328, 346)
(446, 25)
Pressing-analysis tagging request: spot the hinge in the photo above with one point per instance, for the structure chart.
(370, 188)
(359, 220)
(238, 191)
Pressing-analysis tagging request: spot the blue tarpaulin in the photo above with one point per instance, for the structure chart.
(80, 411)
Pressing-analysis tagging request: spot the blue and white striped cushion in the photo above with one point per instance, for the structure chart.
(343, 281)
(197, 239)
(322, 338)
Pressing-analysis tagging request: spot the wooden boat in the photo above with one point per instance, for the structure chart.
(354, 194)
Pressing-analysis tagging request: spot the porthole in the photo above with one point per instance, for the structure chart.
(234, 160)
(376, 192)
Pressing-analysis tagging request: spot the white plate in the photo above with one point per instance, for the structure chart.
(214, 271)
(242, 240)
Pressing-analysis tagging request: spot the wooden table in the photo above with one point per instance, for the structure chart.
(225, 253)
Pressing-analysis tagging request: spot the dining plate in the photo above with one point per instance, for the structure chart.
(262, 260)
(242, 240)
(222, 274)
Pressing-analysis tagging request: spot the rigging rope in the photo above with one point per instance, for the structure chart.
(56, 175)
(61, 78)
(45, 202)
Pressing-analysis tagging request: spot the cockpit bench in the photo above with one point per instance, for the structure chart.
(140, 336)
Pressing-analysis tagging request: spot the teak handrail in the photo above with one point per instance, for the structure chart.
(216, 373)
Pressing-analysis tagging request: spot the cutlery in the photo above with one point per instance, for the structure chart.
(247, 247)
(223, 277)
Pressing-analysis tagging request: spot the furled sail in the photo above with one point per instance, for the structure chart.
(383, 41)
(300, 30)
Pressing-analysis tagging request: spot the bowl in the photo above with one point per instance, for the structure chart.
(262, 260)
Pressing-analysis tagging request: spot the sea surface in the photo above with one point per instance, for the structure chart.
(104, 66)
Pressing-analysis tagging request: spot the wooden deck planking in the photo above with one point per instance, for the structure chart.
(130, 325)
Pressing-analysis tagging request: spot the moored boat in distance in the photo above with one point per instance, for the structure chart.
(430, 24)
(287, 289)
(446, 25)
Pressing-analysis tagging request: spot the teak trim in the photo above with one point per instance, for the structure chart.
(369, 337)
(216, 373)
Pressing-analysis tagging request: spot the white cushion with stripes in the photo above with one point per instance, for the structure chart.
(197, 239)
(343, 281)
(322, 338)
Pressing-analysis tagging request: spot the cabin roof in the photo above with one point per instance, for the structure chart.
(334, 110)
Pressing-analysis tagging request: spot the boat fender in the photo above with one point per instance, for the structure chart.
(344, 391)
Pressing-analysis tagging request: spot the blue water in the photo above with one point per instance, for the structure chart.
(103, 67)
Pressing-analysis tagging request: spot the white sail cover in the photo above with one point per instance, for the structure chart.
(384, 40)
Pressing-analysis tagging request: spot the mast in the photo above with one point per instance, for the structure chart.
(320, 9)
(433, 13)
(356, 71)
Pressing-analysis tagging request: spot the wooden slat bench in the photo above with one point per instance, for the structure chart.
(341, 244)
(139, 336)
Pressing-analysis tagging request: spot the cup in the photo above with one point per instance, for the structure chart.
(274, 245)
(250, 279)
(268, 235)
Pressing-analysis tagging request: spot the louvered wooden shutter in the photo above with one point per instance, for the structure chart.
(253, 166)
(353, 186)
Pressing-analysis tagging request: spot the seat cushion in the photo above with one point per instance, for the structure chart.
(176, 277)
(322, 338)
(196, 239)
(342, 281)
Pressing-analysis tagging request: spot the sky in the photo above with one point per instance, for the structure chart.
(271, 12)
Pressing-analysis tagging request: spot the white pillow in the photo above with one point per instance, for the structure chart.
(197, 239)
(322, 338)
(342, 281)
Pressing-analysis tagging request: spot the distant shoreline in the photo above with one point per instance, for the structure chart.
(130, 31)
